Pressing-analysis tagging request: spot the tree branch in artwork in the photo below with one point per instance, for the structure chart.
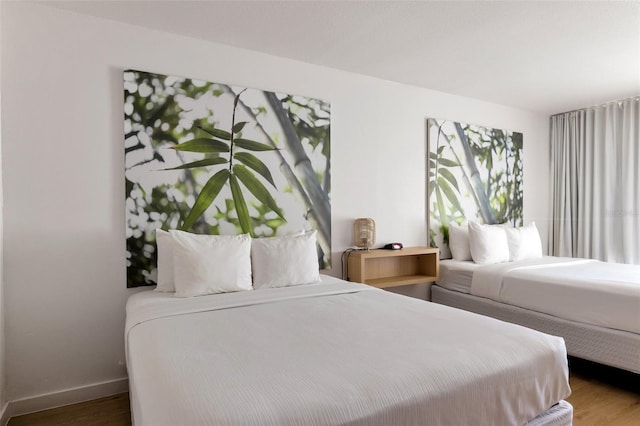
(484, 203)
(319, 199)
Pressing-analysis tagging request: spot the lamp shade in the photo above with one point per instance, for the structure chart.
(364, 232)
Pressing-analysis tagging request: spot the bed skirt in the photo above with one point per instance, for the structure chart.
(560, 414)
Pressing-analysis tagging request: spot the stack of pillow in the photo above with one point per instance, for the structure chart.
(486, 244)
(195, 265)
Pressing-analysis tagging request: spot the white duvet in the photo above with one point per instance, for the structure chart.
(333, 353)
(587, 291)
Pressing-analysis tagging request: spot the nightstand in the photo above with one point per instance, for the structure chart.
(390, 268)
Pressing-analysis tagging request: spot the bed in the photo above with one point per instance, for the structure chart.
(335, 352)
(593, 305)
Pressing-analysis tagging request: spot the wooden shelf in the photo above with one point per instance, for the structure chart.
(400, 280)
(392, 268)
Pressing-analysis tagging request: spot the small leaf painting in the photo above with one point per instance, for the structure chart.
(474, 173)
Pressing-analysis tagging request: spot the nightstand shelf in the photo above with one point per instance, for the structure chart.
(392, 268)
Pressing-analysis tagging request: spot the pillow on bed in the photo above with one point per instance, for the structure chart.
(210, 264)
(488, 243)
(285, 261)
(459, 241)
(164, 243)
(524, 242)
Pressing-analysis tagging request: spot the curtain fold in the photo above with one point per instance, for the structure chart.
(595, 176)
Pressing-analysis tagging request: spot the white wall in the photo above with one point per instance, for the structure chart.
(63, 172)
(2, 368)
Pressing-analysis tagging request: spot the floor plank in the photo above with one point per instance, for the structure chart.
(600, 396)
(109, 411)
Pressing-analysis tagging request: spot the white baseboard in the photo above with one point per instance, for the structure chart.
(4, 415)
(62, 398)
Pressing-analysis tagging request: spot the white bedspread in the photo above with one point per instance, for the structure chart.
(333, 353)
(587, 291)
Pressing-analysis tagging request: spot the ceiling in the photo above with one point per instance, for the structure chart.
(543, 56)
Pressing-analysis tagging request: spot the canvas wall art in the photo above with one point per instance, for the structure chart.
(474, 173)
(214, 158)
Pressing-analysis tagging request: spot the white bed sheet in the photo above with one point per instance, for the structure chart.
(587, 291)
(333, 353)
(456, 275)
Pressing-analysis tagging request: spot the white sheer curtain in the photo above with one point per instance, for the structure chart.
(595, 166)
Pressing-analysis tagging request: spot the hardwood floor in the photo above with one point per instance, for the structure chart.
(109, 411)
(601, 396)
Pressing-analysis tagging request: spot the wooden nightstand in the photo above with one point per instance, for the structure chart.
(391, 268)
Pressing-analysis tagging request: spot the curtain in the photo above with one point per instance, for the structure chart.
(595, 167)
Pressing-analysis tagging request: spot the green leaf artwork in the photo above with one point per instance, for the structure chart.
(213, 158)
(203, 145)
(474, 174)
(208, 194)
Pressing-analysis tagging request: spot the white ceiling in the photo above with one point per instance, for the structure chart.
(545, 56)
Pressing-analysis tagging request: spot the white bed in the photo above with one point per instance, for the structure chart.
(336, 353)
(594, 305)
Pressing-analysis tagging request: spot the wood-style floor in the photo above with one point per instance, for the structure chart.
(109, 411)
(601, 396)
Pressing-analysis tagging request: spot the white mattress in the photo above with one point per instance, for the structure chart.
(616, 348)
(587, 291)
(333, 353)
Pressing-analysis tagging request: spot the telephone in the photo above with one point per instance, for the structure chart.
(393, 246)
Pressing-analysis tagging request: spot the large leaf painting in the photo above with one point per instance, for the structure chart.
(213, 158)
(474, 173)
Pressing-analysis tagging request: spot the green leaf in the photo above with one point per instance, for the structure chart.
(241, 205)
(204, 145)
(257, 188)
(239, 126)
(431, 185)
(217, 133)
(441, 207)
(253, 162)
(450, 177)
(448, 163)
(201, 163)
(275, 223)
(209, 193)
(253, 145)
(444, 186)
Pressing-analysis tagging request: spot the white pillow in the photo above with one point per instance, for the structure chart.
(488, 243)
(524, 242)
(209, 264)
(164, 244)
(285, 261)
(459, 241)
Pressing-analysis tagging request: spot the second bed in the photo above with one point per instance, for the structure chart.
(594, 306)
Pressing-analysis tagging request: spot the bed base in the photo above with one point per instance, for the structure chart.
(616, 348)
